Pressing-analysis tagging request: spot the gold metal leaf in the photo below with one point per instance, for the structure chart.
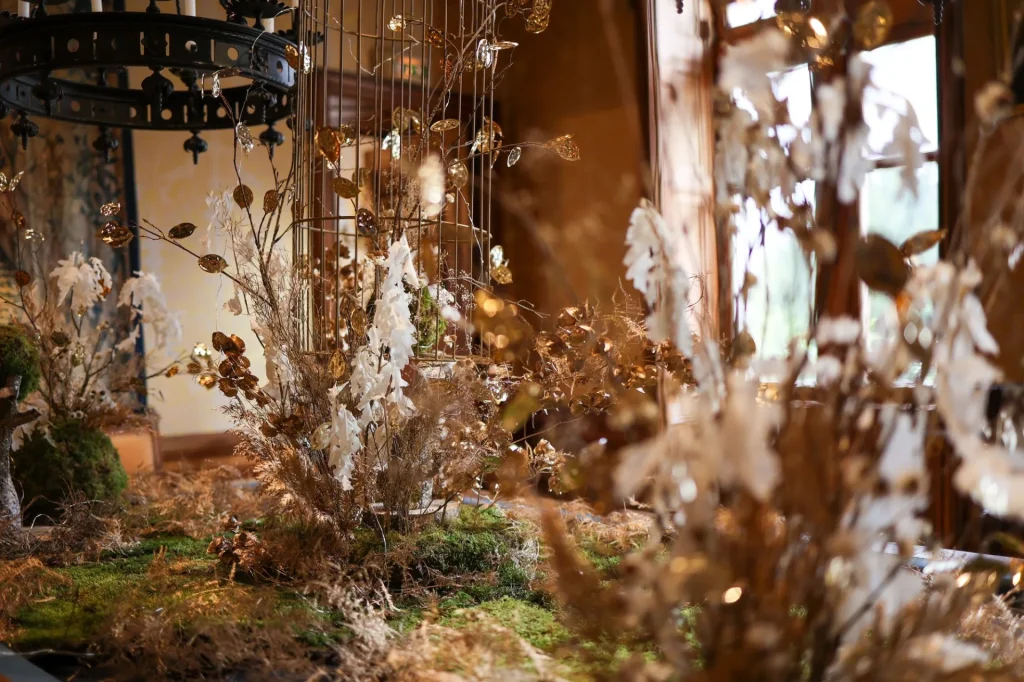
(345, 188)
(337, 365)
(402, 118)
(881, 265)
(271, 199)
(873, 24)
(921, 242)
(346, 134)
(243, 196)
(396, 23)
(291, 54)
(434, 37)
(321, 438)
(565, 146)
(328, 143)
(488, 138)
(115, 235)
(212, 263)
(15, 181)
(444, 125)
(19, 220)
(500, 271)
(501, 274)
(110, 209)
(458, 174)
(181, 231)
(359, 322)
(298, 58)
(539, 17)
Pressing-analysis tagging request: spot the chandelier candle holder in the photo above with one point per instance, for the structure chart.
(73, 66)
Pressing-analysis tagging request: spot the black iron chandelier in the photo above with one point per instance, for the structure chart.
(73, 66)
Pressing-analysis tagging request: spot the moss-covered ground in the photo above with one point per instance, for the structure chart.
(482, 565)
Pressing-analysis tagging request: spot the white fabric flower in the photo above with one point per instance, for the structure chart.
(85, 280)
(345, 440)
(654, 264)
(148, 304)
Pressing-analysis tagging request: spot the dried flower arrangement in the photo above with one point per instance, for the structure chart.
(780, 530)
(783, 528)
(90, 373)
(362, 424)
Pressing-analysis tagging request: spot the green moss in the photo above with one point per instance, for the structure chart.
(536, 625)
(19, 356)
(475, 542)
(407, 619)
(74, 458)
(76, 611)
(430, 325)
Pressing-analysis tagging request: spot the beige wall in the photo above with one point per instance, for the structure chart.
(171, 190)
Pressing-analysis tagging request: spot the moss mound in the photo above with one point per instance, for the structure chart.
(74, 458)
(19, 356)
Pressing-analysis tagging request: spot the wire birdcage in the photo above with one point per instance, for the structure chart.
(394, 82)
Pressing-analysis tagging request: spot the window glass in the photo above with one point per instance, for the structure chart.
(743, 12)
(889, 209)
(902, 72)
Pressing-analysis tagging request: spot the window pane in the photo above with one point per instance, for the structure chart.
(778, 306)
(902, 71)
(889, 209)
(743, 12)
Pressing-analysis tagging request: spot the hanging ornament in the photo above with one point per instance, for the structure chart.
(514, 156)
(873, 24)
